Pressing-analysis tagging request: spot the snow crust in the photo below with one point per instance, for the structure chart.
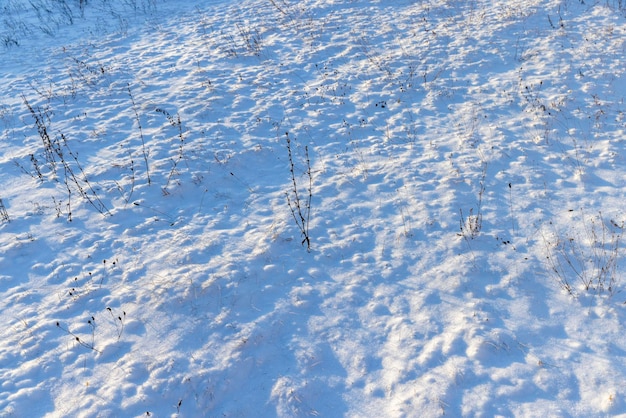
(465, 162)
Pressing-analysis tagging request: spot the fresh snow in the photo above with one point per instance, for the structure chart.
(465, 164)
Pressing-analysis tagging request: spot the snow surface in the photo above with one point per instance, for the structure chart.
(466, 163)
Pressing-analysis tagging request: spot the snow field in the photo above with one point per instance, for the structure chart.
(467, 186)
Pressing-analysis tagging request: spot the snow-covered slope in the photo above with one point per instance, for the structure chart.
(457, 167)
